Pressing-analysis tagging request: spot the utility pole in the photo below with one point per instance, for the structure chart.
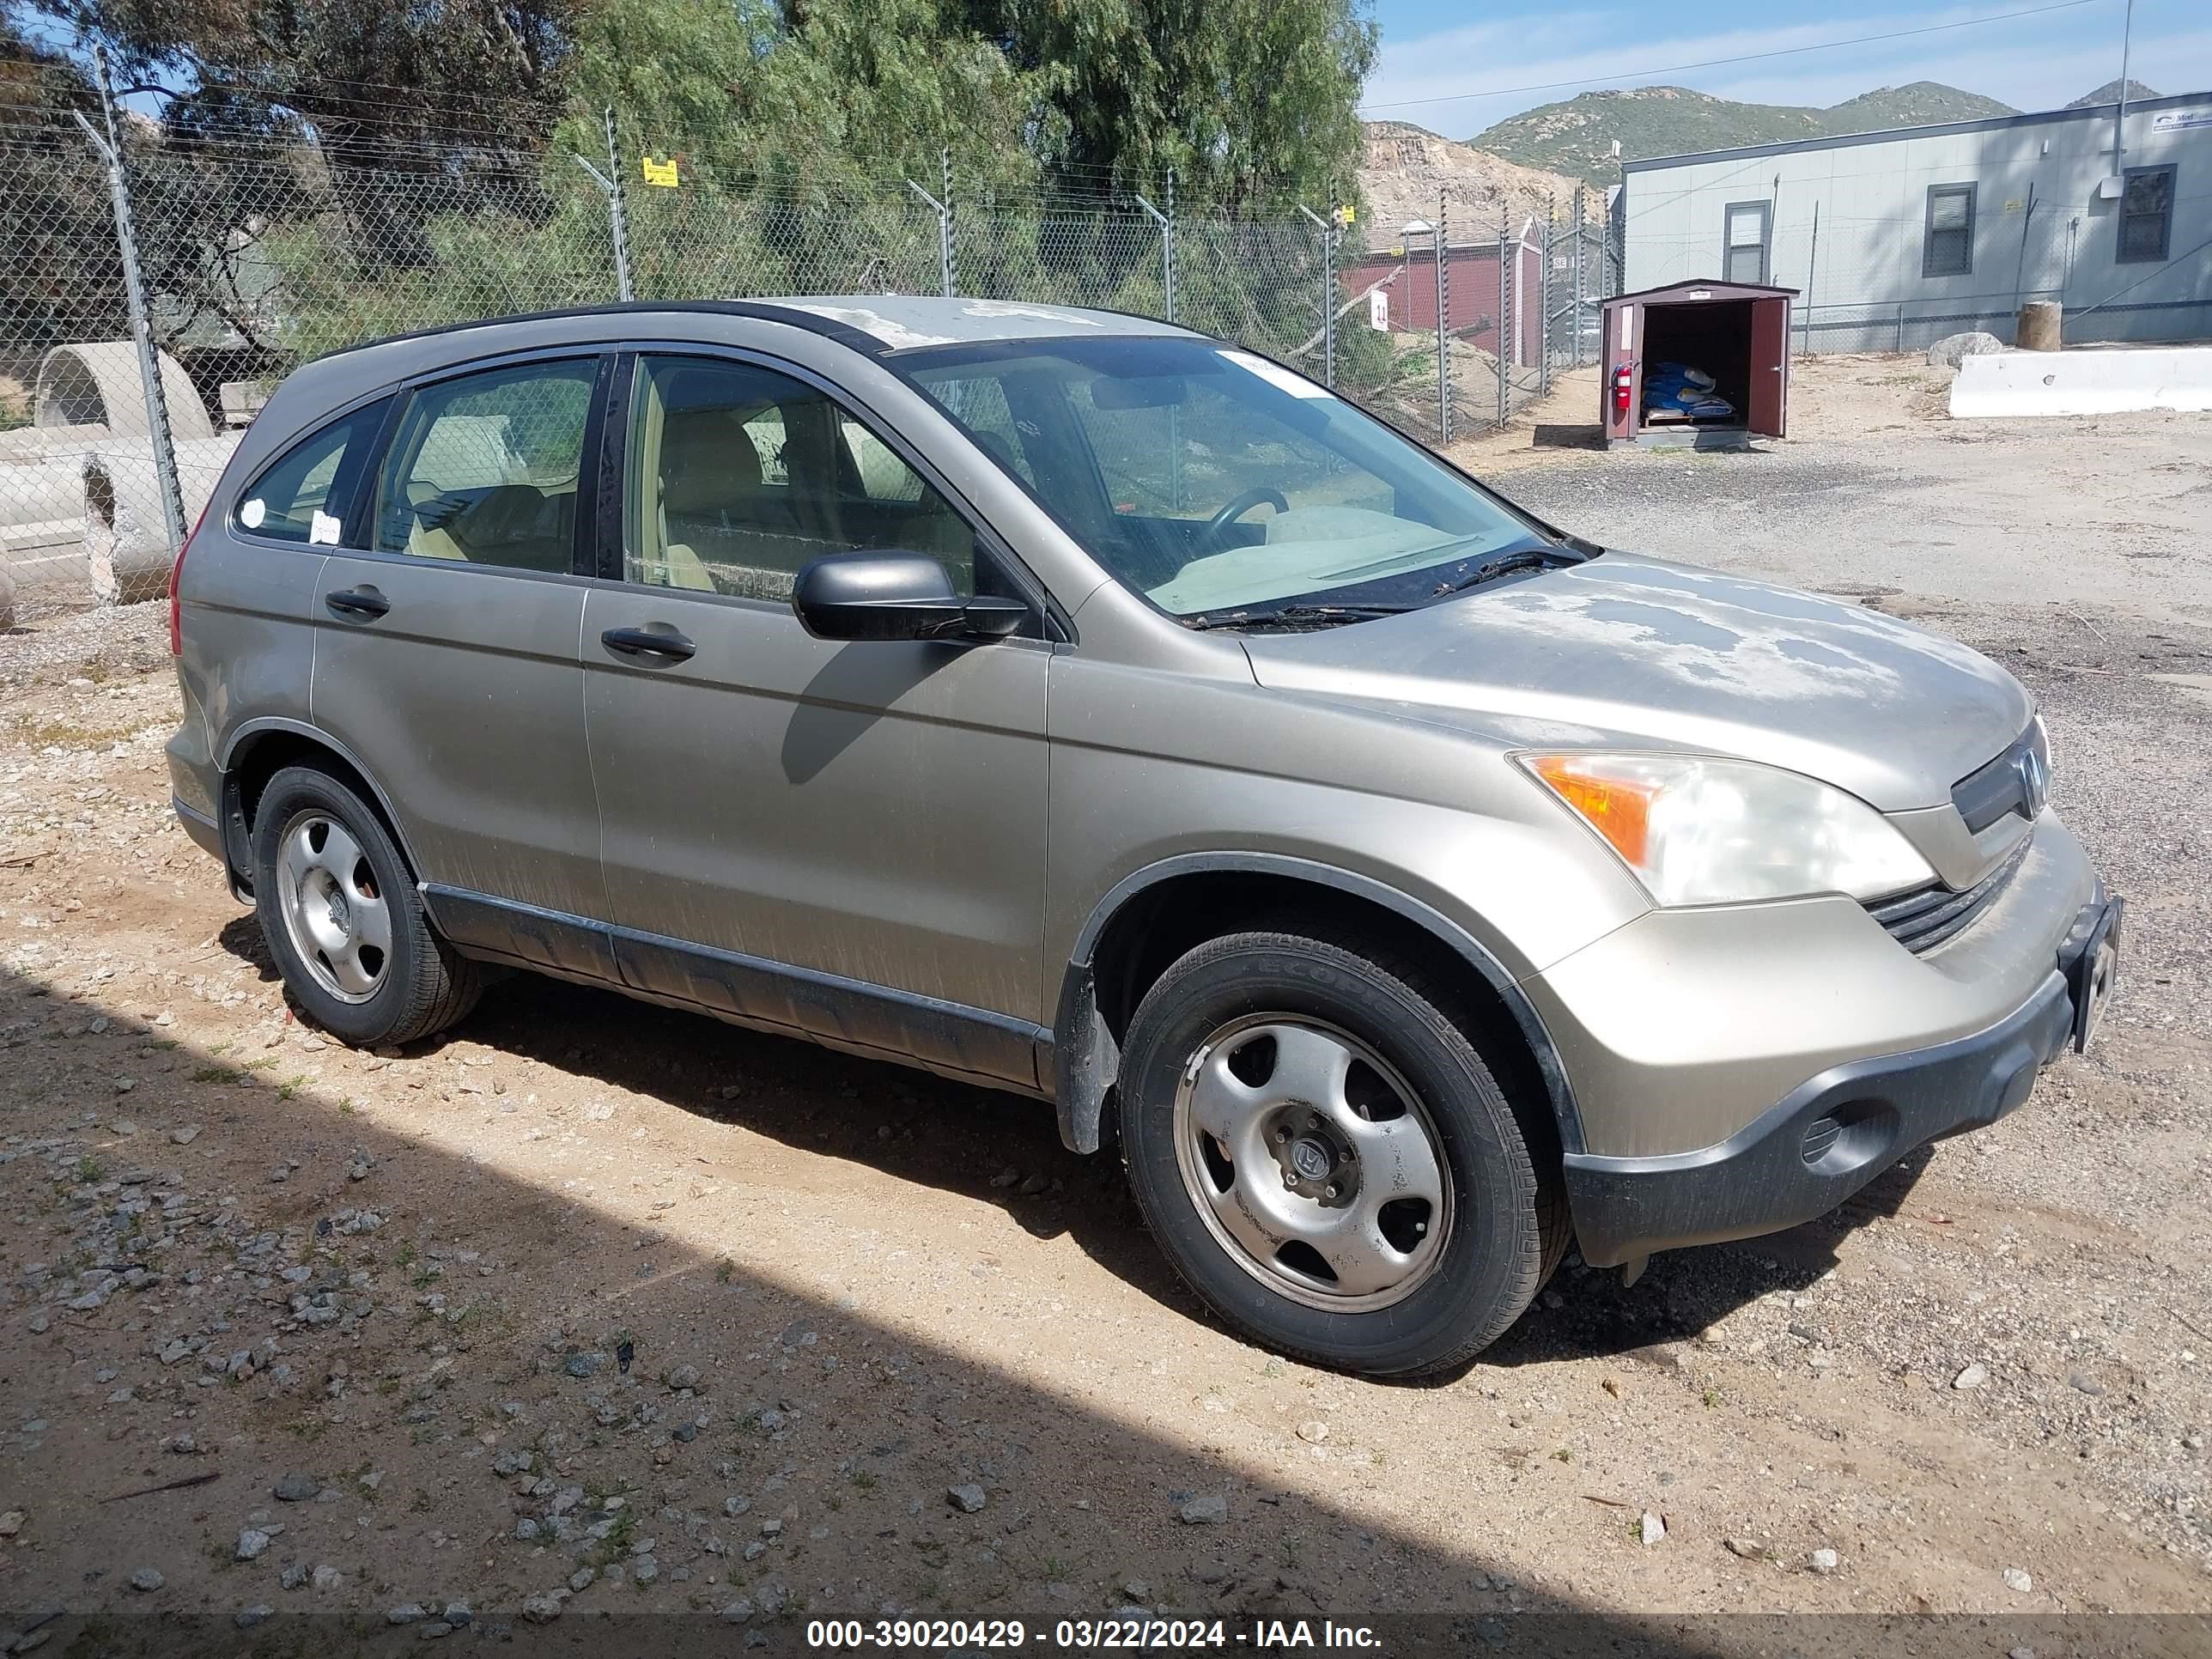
(2120, 115)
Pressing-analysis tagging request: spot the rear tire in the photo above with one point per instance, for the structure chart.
(1326, 1158)
(342, 916)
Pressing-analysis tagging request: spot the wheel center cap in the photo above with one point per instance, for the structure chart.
(1312, 1159)
(340, 917)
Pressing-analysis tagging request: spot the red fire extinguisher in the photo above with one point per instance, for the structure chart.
(1623, 380)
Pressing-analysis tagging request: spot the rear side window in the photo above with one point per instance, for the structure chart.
(302, 494)
(483, 469)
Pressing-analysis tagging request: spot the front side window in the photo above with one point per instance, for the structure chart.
(1744, 253)
(738, 476)
(2146, 215)
(483, 468)
(1949, 248)
(1214, 481)
(301, 496)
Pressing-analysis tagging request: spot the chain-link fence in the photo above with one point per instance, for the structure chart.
(158, 284)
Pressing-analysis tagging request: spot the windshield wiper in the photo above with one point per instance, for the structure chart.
(1527, 558)
(1293, 616)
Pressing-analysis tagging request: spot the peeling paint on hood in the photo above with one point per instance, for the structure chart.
(1637, 652)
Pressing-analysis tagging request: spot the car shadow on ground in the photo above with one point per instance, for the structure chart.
(1005, 1150)
(662, 1379)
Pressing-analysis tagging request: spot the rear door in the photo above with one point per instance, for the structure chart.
(843, 838)
(247, 594)
(446, 656)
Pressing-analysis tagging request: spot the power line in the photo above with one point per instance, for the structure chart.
(1745, 57)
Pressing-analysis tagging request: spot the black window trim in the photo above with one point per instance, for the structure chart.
(1766, 245)
(353, 538)
(345, 484)
(1928, 265)
(2120, 254)
(605, 561)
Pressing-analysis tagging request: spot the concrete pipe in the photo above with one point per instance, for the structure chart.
(98, 383)
(127, 554)
(2038, 328)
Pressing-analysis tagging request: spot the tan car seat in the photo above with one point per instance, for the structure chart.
(708, 466)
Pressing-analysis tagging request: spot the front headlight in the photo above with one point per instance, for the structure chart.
(1698, 831)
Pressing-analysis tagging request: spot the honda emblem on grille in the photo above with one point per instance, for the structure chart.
(2035, 781)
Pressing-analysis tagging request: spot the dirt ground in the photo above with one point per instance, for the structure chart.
(591, 1310)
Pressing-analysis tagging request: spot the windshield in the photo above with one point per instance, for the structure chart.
(1214, 481)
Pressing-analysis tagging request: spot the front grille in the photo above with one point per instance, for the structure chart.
(1920, 921)
(2015, 781)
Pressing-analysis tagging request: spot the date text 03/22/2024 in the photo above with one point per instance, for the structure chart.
(1265, 1635)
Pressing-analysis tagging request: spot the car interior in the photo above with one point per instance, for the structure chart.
(741, 476)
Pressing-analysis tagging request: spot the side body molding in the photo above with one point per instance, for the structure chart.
(1086, 1057)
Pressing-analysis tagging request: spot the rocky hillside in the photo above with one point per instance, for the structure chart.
(1574, 137)
(2110, 93)
(1406, 168)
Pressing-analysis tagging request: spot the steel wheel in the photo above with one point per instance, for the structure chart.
(1313, 1163)
(333, 910)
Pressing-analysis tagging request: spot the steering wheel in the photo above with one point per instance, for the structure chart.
(1235, 507)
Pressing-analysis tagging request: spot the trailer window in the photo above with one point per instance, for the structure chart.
(2146, 215)
(1744, 256)
(1949, 250)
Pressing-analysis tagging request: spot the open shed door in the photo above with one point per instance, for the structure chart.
(1766, 411)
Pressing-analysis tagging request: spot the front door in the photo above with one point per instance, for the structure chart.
(841, 839)
(446, 654)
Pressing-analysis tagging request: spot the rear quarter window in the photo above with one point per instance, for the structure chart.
(302, 495)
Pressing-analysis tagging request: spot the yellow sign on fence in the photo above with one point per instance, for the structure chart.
(660, 172)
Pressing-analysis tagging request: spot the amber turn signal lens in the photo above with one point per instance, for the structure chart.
(1619, 809)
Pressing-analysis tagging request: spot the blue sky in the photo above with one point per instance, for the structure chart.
(1436, 49)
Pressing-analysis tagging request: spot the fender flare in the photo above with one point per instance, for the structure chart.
(1086, 1059)
(263, 726)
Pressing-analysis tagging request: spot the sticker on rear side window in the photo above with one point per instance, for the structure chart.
(254, 513)
(1277, 376)
(324, 531)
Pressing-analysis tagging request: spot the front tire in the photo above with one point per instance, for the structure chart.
(1328, 1161)
(342, 916)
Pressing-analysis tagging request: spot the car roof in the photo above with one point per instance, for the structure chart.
(874, 324)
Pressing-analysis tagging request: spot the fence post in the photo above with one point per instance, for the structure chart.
(1544, 290)
(1167, 249)
(1812, 270)
(1327, 336)
(110, 150)
(1506, 287)
(944, 211)
(1582, 242)
(1443, 324)
(618, 219)
(1329, 300)
(944, 222)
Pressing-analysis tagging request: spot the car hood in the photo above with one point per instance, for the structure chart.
(1637, 652)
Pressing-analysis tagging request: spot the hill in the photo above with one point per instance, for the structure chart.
(1574, 137)
(2110, 93)
(1406, 167)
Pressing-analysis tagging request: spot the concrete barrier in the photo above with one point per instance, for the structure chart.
(2033, 383)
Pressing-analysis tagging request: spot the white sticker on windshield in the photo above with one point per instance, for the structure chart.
(1277, 376)
(254, 513)
(323, 530)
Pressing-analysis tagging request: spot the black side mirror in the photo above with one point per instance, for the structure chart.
(895, 596)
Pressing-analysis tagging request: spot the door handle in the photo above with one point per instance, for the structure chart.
(648, 642)
(364, 602)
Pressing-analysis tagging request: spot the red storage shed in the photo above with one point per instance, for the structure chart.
(1733, 339)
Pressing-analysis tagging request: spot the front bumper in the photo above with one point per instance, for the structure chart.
(1837, 1132)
